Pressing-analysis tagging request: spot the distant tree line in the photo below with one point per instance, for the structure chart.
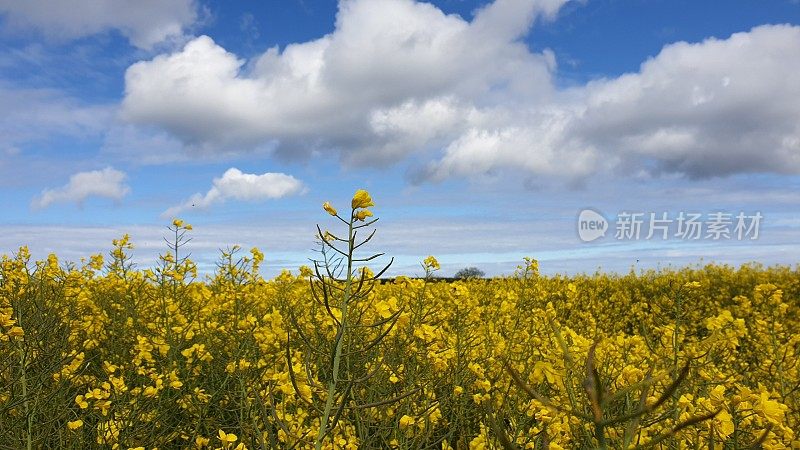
(469, 272)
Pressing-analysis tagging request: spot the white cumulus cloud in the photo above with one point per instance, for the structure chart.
(400, 80)
(144, 22)
(324, 93)
(106, 183)
(710, 108)
(713, 108)
(236, 185)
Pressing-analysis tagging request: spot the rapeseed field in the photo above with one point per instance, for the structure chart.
(103, 354)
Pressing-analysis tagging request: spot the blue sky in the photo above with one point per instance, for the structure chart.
(481, 128)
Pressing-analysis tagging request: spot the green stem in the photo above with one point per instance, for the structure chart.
(24, 382)
(323, 426)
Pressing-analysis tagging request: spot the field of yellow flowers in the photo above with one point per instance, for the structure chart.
(107, 355)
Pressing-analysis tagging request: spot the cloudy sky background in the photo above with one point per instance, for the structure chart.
(481, 128)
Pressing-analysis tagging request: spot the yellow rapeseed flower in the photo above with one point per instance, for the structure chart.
(16, 332)
(362, 199)
(431, 263)
(329, 208)
(771, 409)
(75, 424)
(79, 400)
(227, 438)
(406, 421)
(363, 214)
(724, 424)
